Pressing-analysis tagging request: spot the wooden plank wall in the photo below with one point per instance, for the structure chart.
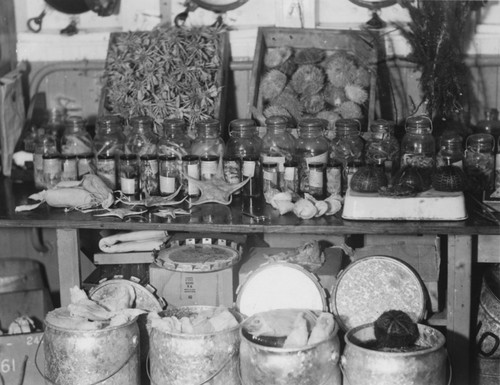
(7, 37)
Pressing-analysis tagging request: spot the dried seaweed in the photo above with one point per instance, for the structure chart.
(165, 73)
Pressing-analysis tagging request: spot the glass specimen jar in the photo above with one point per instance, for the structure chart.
(76, 140)
(109, 138)
(142, 140)
(129, 175)
(174, 140)
(208, 140)
(382, 147)
(450, 151)
(169, 174)
(106, 169)
(149, 180)
(45, 144)
(479, 162)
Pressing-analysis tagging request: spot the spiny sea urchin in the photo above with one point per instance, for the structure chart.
(272, 84)
(356, 94)
(274, 57)
(310, 55)
(308, 79)
(350, 110)
(340, 69)
(313, 103)
(333, 95)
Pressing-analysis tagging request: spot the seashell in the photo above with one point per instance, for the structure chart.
(305, 209)
(322, 208)
(283, 206)
(334, 205)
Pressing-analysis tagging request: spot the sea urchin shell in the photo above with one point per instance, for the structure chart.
(308, 79)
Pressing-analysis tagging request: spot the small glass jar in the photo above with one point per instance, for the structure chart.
(169, 174)
(52, 170)
(479, 162)
(316, 180)
(382, 147)
(243, 139)
(270, 179)
(149, 179)
(174, 140)
(109, 138)
(290, 177)
(69, 168)
(45, 143)
(347, 145)
(129, 175)
(85, 164)
(208, 140)
(191, 168)
(278, 145)
(250, 169)
(106, 169)
(76, 140)
(142, 140)
(418, 148)
(312, 147)
(450, 151)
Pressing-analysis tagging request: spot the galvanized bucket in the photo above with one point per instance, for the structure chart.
(488, 321)
(194, 359)
(108, 356)
(315, 364)
(363, 366)
(486, 371)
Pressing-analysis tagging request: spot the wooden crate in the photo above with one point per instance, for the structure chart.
(357, 43)
(221, 79)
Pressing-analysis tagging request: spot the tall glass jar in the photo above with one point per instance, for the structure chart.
(174, 140)
(45, 144)
(109, 138)
(142, 140)
(382, 147)
(479, 162)
(312, 147)
(76, 140)
(208, 140)
(418, 148)
(278, 145)
(450, 151)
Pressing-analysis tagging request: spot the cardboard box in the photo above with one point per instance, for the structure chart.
(327, 274)
(187, 288)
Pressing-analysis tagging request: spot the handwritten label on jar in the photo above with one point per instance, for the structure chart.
(248, 168)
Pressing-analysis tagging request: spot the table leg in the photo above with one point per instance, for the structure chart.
(68, 257)
(459, 306)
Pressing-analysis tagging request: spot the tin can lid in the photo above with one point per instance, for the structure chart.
(198, 255)
(374, 284)
(280, 285)
(145, 295)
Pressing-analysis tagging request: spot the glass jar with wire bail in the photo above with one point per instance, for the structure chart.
(278, 145)
(174, 139)
(382, 147)
(208, 140)
(109, 138)
(479, 163)
(418, 149)
(312, 147)
(451, 151)
(346, 148)
(76, 140)
(142, 139)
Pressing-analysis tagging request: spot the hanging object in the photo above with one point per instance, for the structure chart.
(374, 5)
(217, 6)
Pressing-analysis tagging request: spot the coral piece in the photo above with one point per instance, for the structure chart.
(310, 55)
(350, 110)
(272, 84)
(275, 57)
(356, 94)
(308, 79)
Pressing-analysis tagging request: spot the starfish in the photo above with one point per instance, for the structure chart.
(120, 213)
(215, 190)
(171, 212)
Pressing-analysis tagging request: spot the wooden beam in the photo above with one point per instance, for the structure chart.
(68, 257)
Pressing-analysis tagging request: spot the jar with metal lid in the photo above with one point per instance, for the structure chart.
(278, 144)
(149, 180)
(76, 140)
(69, 167)
(109, 138)
(312, 147)
(191, 168)
(169, 174)
(45, 144)
(450, 151)
(85, 164)
(208, 140)
(418, 148)
(347, 145)
(52, 169)
(129, 175)
(174, 140)
(479, 162)
(490, 124)
(382, 147)
(142, 139)
(106, 169)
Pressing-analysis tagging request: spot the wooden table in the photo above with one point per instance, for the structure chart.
(462, 244)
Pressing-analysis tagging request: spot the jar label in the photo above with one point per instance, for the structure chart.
(193, 170)
(248, 168)
(280, 160)
(167, 184)
(315, 178)
(290, 173)
(208, 169)
(322, 158)
(128, 186)
(334, 180)
(270, 176)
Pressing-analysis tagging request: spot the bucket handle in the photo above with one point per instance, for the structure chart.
(215, 374)
(344, 373)
(93, 383)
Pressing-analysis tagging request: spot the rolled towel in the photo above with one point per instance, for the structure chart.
(146, 240)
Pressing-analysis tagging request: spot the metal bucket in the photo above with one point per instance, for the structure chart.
(488, 322)
(363, 366)
(486, 371)
(18, 274)
(194, 359)
(311, 365)
(108, 356)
